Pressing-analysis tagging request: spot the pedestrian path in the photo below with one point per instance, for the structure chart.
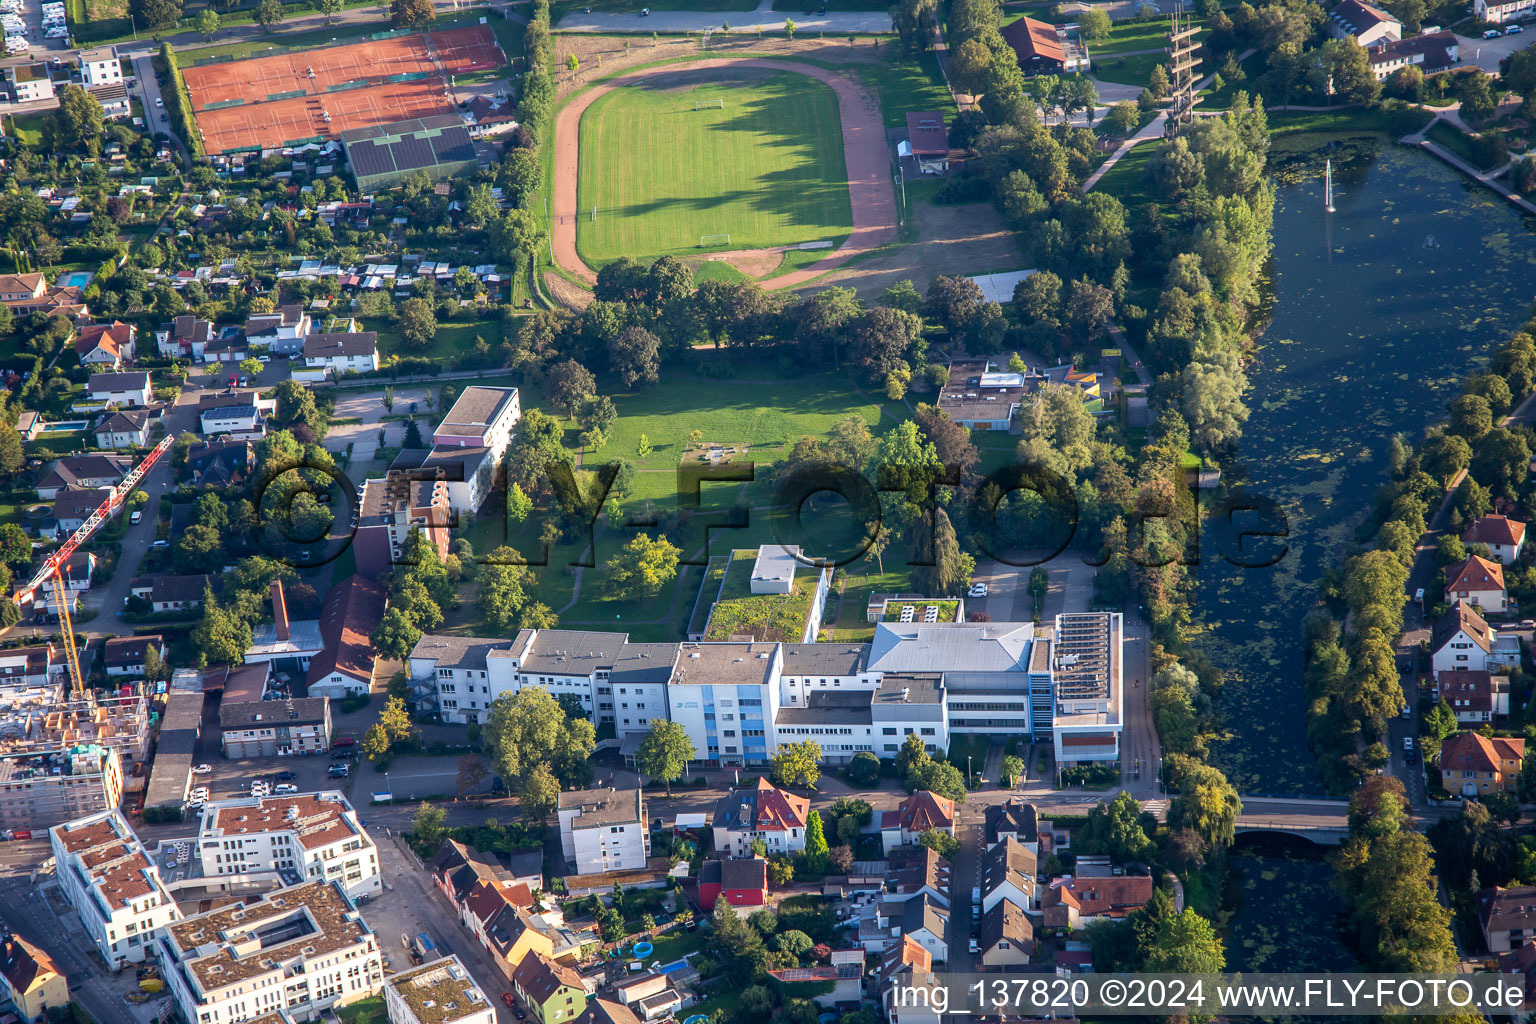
(762, 18)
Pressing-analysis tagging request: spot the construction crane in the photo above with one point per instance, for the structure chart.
(51, 572)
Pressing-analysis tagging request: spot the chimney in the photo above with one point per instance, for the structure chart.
(279, 610)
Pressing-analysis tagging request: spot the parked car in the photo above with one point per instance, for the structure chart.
(137, 515)
(287, 776)
(977, 590)
(200, 793)
(285, 789)
(1407, 712)
(1407, 742)
(506, 997)
(345, 741)
(159, 102)
(1410, 758)
(1492, 33)
(975, 946)
(1513, 30)
(202, 769)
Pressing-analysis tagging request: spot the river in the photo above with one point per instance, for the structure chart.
(1378, 311)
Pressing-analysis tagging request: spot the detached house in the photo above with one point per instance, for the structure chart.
(186, 337)
(1500, 11)
(106, 346)
(1475, 765)
(1478, 698)
(1013, 820)
(1507, 916)
(346, 664)
(1461, 641)
(121, 389)
(1503, 536)
(126, 655)
(1072, 902)
(281, 332)
(127, 428)
(30, 980)
(338, 353)
(906, 967)
(1009, 872)
(916, 814)
(241, 416)
(743, 882)
(72, 508)
(604, 830)
(1476, 581)
(82, 472)
(765, 812)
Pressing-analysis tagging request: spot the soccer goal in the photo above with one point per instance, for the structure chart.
(708, 104)
(708, 241)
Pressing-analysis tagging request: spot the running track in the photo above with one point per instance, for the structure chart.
(871, 196)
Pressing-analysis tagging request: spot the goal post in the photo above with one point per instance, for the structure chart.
(709, 104)
(710, 241)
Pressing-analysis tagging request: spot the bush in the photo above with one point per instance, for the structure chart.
(162, 815)
(864, 769)
(966, 188)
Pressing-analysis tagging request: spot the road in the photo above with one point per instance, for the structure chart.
(155, 114)
(835, 23)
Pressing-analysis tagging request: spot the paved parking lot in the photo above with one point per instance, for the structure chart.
(1486, 53)
(368, 406)
(1008, 600)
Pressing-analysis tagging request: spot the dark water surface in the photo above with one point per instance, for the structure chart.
(1379, 310)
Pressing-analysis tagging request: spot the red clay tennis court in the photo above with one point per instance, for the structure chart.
(321, 93)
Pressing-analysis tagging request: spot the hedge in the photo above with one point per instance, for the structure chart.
(178, 102)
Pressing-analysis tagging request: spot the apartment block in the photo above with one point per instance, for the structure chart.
(305, 837)
(113, 884)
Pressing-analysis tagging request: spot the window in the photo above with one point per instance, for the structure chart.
(888, 732)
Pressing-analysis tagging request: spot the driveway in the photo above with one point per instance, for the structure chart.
(155, 113)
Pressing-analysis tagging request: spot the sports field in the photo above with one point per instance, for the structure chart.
(273, 101)
(757, 156)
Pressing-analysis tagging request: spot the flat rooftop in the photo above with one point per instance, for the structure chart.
(316, 819)
(706, 664)
(440, 992)
(112, 859)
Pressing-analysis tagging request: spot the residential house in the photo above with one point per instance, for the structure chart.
(1501, 11)
(72, 508)
(1009, 871)
(127, 428)
(553, 992)
(346, 664)
(1069, 903)
(844, 973)
(167, 594)
(1432, 54)
(915, 871)
(22, 289)
(1477, 698)
(1520, 963)
(30, 980)
(513, 933)
(765, 812)
(439, 992)
(1006, 936)
(127, 655)
(28, 82)
(1460, 641)
(78, 570)
(228, 346)
(100, 67)
(106, 346)
(1503, 536)
(457, 869)
(915, 815)
(281, 332)
(908, 967)
(120, 389)
(1507, 916)
(742, 881)
(1472, 764)
(185, 337)
(338, 353)
(1368, 24)
(82, 472)
(238, 415)
(980, 398)
(221, 461)
(275, 728)
(605, 1011)
(1476, 581)
(604, 830)
(926, 921)
(27, 667)
(1013, 819)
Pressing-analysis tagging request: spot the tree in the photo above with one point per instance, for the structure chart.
(329, 8)
(207, 23)
(396, 720)
(375, 743)
(1213, 400)
(636, 356)
(1186, 944)
(1116, 829)
(939, 841)
(269, 13)
(1206, 804)
(864, 769)
(912, 756)
(1094, 25)
(1090, 308)
(78, 124)
(1122, 119)
(538, 793)
(430, 825)
(1158, 85)
(597, 413)
(395, 636)
(1476, 97)
(643, 447)
(522, 731)
(503, 589)
(519, 505)
(665, 751)
(418, 323)
(815, 843)
(948, 569)
(408, 13)
(642, 567)
(567, 385)
(472, 772)
(155, 14)
(797, 764)
(1013, 768)
(1526, 786)
(939, 777)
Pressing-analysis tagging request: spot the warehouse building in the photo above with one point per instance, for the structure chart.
(382, 156)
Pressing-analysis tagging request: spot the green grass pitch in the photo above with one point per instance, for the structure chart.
(766, 168)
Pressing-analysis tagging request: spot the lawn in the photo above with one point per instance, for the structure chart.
(863, 580)
(1128, 181)
(453, 341)
(676, 944)
(765, 168)
(1458, 142)
(769, 617)
(561, 8)
(1133, 35)
(1135, 70)
(364, 1011)
(907, 86)
(28, 129)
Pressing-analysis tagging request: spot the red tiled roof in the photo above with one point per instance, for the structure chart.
(352, 611)
(1030, 38)
(1473, 575)
(924, 810)
(1470, 751)
(778, 811)
(1493, 530)
(110, 337)
(1475, 688)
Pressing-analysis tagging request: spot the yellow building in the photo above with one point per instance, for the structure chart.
(30, 980)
